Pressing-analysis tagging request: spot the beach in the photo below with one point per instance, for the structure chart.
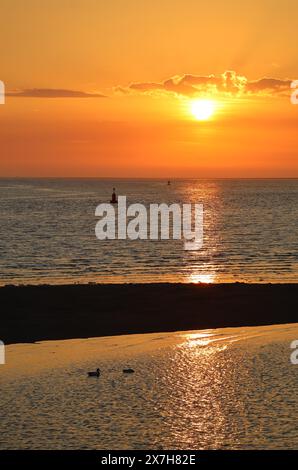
(36, 313)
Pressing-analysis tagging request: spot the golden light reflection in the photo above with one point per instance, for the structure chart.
(202, 278)
(201, 339)
(219, 342)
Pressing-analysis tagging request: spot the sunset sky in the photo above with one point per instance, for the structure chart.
(147, 88)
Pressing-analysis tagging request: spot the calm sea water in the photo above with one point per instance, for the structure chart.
(47, 232)
(214, 389)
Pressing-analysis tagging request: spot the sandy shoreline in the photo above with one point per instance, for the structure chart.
(35, 313)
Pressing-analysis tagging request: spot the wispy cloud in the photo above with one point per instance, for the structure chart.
(52, 93)
(229, 83)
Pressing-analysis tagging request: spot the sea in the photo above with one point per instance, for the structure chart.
(47, 232)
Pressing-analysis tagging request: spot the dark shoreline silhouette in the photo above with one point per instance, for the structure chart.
(36, 313)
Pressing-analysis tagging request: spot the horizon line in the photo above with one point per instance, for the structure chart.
(156, 177)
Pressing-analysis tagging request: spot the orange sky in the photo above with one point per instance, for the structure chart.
(98, 88)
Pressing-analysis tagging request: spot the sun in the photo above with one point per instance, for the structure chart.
(202, 109)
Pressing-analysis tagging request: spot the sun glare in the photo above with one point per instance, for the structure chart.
(202, 109)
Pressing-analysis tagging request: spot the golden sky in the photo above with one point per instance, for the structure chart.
(111, 88)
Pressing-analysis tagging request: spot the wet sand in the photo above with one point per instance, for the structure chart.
(35, 313)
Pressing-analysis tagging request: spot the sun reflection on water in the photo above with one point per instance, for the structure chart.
(193, 340)
(196, 278)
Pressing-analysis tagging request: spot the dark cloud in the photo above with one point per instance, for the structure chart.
(228, 83)
(52, 93)
(190, 85)
(271, 85)
(145, 86)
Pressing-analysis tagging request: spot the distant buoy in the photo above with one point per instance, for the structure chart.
(114, 197)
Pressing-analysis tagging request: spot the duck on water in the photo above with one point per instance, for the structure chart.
(94, 374)
(127, 370)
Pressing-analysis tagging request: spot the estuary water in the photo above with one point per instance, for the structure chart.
(232, 388)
